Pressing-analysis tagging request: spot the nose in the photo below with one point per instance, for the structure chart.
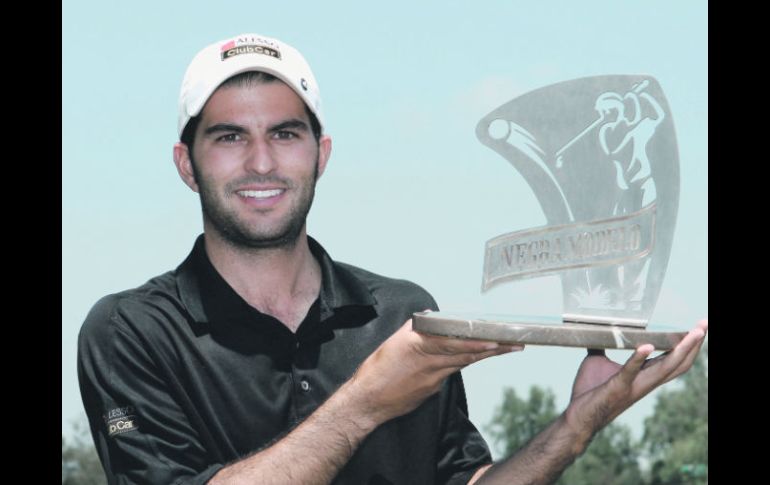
(259, 158)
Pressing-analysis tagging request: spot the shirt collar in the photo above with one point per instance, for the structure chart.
(208, 297)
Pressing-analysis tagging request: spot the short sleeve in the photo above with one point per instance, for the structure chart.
(462, 449)
(141, 433)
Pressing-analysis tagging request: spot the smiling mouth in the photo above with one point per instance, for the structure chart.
(260, 194)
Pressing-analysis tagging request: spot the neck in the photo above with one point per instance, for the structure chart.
(282, 282)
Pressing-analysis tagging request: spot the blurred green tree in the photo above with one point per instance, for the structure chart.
(676, 435)
(612, 458)
(674, 444)
(79, 462)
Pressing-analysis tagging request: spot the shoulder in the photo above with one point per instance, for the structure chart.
(131, 311)
(386, 289)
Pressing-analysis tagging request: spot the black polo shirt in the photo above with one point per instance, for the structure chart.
(181, 376)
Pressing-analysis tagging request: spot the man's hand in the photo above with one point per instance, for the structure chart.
(409, 367)
(603, 389)
(404, 371)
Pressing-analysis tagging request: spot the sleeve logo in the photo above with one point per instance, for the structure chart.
(120, 420)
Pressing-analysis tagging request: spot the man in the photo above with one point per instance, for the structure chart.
(262, 360)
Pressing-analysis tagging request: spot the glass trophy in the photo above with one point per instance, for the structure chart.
(601, 157)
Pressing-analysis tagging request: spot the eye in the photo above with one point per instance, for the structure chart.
(229, 138)
(284, 135)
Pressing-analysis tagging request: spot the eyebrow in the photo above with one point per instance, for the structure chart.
(220, 127)
(290, 124)
(233, 128)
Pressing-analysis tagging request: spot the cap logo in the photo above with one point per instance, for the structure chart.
(251, 45)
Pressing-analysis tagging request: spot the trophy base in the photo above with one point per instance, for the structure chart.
(543, 331)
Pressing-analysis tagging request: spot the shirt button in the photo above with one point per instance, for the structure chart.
(304, 385)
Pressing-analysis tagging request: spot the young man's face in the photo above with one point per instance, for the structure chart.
(256, 164)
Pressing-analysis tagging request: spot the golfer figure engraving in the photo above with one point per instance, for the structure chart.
(625, 124)
(600, 155)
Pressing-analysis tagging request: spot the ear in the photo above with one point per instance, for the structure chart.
(184, 166)
(324, 152)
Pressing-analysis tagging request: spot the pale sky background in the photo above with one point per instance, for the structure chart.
(409, 191)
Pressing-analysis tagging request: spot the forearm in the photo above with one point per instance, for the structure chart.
(312, 453)
(543, 459)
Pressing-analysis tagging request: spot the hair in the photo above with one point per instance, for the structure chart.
(249, 78)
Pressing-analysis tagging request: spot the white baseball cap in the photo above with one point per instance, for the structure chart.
(247, 52)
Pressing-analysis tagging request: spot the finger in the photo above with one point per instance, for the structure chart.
(688, 360)
(654, 360)
(703, 324)
(677, 360)
(436, 345)
(688, 348)
(460, 348)
(455, 362)
(634, 364)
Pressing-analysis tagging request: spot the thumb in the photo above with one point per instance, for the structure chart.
(634, 363)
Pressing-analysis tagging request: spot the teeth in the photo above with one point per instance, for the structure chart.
(260, 194)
